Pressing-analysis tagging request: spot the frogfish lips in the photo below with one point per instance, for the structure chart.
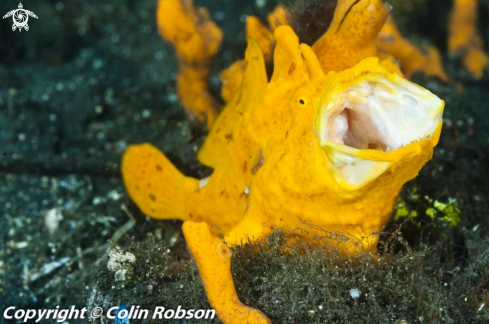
(369, 119)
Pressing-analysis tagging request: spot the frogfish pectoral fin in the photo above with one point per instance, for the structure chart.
(153, 182)
(213, 259)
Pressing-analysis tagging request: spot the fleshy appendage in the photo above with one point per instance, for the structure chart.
(213, 259)
(464, 39)
(411, 58)
(161, 191)
(352, 35)
(232, 77)
(196, 40)
(153, 182)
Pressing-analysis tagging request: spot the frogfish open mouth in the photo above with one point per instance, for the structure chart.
(366, 118)
(324, 144)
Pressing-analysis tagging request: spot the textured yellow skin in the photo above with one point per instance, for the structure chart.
(213, 258)
(270, 170)
(262, 35)
(347, 41)
(231, 79)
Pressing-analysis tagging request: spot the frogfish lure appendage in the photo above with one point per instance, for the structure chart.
(307, 146)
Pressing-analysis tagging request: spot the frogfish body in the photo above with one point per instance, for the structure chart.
(309, 149)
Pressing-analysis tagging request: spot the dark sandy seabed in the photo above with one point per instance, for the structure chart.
(90, 78)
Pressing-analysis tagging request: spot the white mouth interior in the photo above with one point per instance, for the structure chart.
(370, 115)
(378, 115)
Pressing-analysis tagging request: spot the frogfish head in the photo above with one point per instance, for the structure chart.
(376, 128)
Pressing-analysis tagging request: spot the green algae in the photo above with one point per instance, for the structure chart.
(447, 213)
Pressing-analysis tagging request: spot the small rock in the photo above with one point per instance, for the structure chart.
(52, 219)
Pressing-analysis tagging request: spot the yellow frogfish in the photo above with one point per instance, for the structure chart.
(325, 143)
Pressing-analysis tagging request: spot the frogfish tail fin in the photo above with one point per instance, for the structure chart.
(154, 183)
